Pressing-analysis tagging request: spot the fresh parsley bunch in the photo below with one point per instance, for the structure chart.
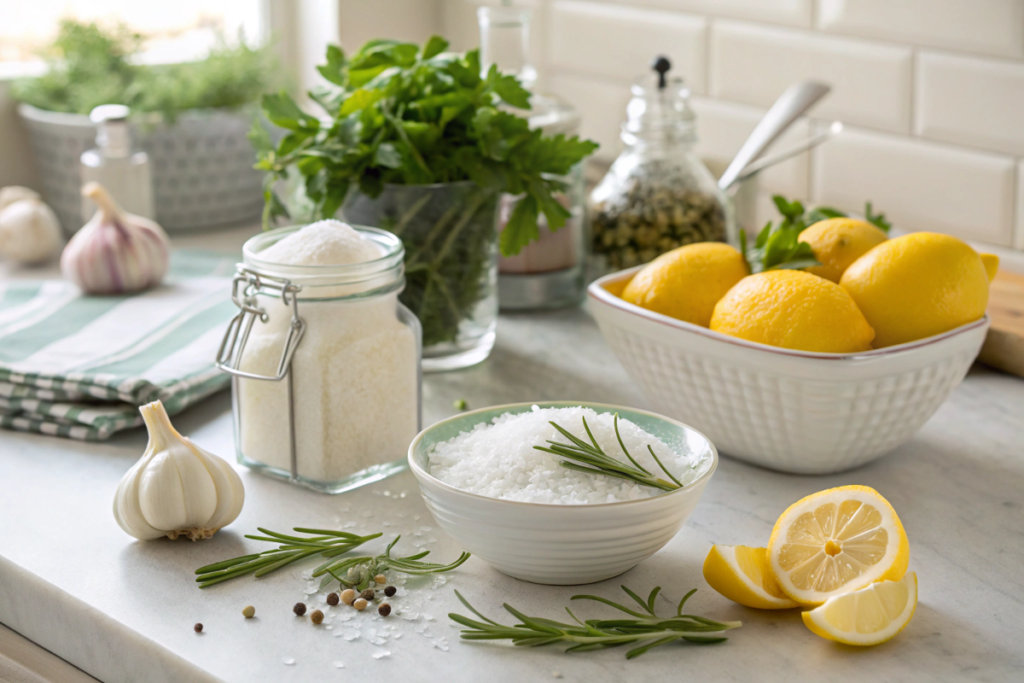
(398, 113)
(778, 247)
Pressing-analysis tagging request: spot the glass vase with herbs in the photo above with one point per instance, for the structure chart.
(416, 140)
(657, 195)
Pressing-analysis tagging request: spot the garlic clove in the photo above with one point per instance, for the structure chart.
(176, 488)
(115, 251)
(29, 231)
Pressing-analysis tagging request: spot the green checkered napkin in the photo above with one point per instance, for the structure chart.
(79, 366)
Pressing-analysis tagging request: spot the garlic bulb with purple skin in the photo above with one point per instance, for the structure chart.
(115, 251)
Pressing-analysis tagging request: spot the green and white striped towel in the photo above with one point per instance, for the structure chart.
(79, 366)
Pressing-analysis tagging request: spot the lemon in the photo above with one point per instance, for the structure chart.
(794, 310)
(838, 242)
(687, 282)
(741, 574)
(918, 285)
(836, 541)
(868, 616)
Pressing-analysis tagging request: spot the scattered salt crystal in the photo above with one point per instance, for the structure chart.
(387, 524)
(441, 644)
(416, 518)
(352, 634)
(349, 525)
(402, 495)
(288, 661)
(498, 458)
(381, 654)
(339, 665)
(378, 641)
(426, 528)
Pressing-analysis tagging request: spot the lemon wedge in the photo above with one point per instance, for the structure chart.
(868, 616)
(741, 574)
(836, 541)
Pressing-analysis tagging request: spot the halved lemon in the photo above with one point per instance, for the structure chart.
(836, 541)
(868, 616)
(741, 574)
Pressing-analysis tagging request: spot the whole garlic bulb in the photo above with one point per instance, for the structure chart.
(29, 231)
(176, 488)
(14, 193)
(115, 251)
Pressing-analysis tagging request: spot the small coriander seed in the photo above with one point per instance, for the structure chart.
(384, 609)
(359, 604)
(390, 591)
(198, 628)
(299, 609)
(347, 596)
(368, 594)
(332, 599)
(380, 578)
(248, 611)
(317, 617)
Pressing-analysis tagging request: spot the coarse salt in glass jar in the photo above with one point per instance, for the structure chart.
(324, 358)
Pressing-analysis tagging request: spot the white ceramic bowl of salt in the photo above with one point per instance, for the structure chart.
(544, 528)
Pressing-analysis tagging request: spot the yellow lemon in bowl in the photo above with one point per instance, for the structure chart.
(838, 242)
(687, 282)
(793, 310)
(919, 285)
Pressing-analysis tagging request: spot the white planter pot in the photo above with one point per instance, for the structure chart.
(202, 164)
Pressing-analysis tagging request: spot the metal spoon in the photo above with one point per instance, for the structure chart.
(795, 101)
(768, 161)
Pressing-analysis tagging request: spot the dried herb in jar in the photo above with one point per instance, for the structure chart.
(658, 210)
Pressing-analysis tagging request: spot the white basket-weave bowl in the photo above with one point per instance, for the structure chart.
(561, 544)
(792, 411)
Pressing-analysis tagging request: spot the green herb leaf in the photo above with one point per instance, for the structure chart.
(433, 47)
(876, 219)
(282, 111)
(334, 69)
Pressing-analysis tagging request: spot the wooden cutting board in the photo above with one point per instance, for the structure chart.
(1004, 346)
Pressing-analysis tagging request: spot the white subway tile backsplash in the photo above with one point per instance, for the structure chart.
(790, 12)
(603, 106)
(971, 100)
(871, 82)
(988, 26)
(620, 42)
(918, 184)
(723, 127)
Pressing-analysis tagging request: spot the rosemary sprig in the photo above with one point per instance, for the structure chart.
(358, 572)
(322, 542)
(327, 544)
(646, 628)
(596, 461)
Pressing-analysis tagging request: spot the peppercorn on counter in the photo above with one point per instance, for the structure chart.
(125, 610)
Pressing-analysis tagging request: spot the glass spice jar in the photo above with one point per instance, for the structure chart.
(325, 365)
(657, 195)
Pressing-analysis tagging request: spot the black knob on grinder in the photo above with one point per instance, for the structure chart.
(662, 66)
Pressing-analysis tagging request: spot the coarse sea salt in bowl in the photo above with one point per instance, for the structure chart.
(518, 510)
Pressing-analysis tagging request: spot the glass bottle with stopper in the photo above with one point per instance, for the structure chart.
(548, 273)
(657, 195)
(125, 173)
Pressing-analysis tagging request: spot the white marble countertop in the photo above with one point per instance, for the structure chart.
(123, 610)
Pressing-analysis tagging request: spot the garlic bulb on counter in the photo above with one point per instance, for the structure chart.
(115, 251)
(14, 193)
(29, 230)
(176, 488)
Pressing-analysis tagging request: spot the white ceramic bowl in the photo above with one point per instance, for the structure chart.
(793, 411)
(561, 544)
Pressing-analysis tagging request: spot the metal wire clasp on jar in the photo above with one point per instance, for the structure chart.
(325, 365)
